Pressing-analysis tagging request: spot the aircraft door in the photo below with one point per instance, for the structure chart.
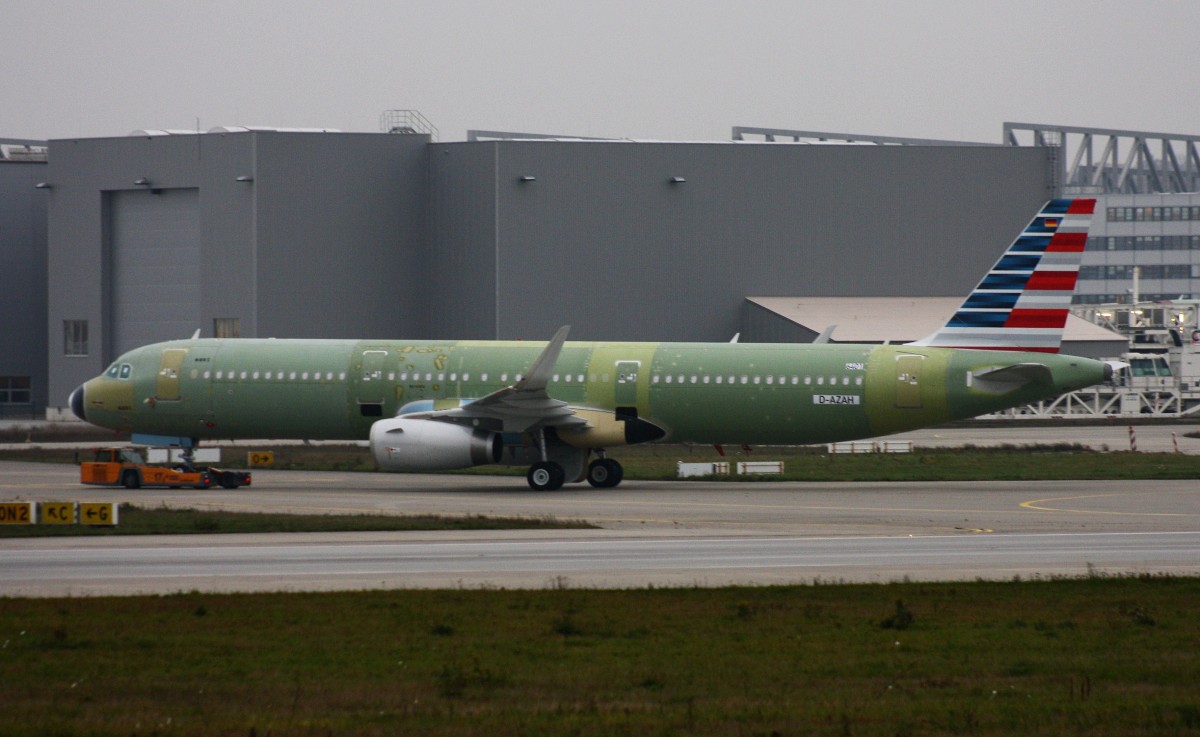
(166, 387)
(372, 390)
(908, 381)
(626, 390)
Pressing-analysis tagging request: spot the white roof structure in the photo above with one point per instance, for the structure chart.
(895, 319)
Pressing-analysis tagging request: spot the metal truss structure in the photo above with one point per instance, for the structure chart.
(1129, 162)
(1152, 163)
(1108, 401)
(407, 121)
(772, 135)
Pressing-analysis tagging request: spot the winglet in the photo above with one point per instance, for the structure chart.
(1023, 302)
(826, 335)
(543, 366)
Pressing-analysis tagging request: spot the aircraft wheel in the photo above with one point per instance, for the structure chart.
(131, 480)
(547, 476)
(228, 481)
(605, 473)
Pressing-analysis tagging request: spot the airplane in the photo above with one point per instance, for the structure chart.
(426, 405)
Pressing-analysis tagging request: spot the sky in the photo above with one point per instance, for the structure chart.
(648, 69)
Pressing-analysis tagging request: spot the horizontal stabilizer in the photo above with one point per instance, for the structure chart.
(1010, 378)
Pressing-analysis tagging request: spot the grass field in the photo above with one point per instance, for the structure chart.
(1023, 463)
(1093, 656)
(135, 520)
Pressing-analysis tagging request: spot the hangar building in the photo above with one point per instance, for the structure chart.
(22, 277)
(278, 233)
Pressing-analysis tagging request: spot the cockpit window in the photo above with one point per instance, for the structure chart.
(119, 371)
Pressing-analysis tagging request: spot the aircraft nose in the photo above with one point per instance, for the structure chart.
(76, 402)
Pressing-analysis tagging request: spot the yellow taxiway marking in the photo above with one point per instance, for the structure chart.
(1038, 504)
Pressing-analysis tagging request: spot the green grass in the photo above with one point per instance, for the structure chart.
(969, 463)
(1092, 656)
(134, 520)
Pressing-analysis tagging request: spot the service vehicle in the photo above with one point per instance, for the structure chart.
(128, 467)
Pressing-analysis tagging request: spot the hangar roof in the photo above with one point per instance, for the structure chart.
(894, 319)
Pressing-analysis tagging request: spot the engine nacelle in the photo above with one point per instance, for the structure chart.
(427, 445)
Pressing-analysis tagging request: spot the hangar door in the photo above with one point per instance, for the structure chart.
(155, 259)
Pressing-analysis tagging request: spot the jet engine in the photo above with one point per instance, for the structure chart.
(428, 445)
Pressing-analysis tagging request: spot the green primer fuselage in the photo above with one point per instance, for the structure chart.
(695, 392)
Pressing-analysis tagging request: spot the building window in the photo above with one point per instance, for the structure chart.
(1152, 214)
(75, 337)
(227, 327)
(14, 390)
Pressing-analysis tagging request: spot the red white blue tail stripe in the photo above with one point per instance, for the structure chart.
(1023, 302)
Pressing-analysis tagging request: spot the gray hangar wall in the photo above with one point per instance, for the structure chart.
(280, 234)
(530, 235)
(22, 286)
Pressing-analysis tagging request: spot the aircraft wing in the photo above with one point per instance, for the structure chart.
(522, 406)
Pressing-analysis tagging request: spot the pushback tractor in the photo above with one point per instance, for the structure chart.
(128, 467)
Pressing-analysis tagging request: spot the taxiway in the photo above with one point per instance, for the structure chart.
(653, 533)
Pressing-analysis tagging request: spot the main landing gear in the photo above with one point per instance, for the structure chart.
(603, 473)
(548, 475)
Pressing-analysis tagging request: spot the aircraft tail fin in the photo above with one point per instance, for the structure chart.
(1023, 302)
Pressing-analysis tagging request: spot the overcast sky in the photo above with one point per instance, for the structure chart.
(643, 69)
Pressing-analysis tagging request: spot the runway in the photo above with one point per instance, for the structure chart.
(653, 533)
